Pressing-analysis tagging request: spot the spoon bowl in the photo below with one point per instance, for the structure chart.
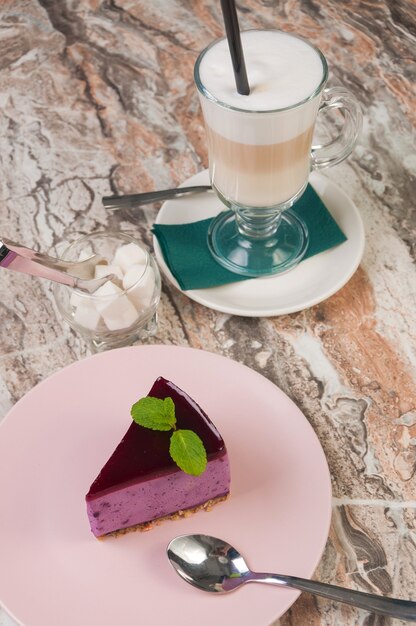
(207, 562)
(213, 565)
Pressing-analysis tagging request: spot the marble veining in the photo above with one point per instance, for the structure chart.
(96, 97)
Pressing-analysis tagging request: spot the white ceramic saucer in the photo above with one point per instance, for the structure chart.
(314, 280)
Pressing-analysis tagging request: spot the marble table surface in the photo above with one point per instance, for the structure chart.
(96, 97)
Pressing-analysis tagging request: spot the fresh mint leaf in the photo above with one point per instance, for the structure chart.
(188, 452)
(186, 448)
(154, 413)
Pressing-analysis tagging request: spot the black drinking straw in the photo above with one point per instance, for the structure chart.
(236, 49)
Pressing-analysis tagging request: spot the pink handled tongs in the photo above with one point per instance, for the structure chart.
(79, 275)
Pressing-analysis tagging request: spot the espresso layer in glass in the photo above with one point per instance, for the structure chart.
(259, 175)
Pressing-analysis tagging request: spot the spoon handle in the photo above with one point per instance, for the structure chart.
(130, 201)
(11, 260)
(400, 609)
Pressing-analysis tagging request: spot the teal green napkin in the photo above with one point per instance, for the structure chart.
(186, 253)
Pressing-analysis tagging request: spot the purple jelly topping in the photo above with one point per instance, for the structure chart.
(143, 454)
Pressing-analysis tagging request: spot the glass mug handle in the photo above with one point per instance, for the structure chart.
(336, 150)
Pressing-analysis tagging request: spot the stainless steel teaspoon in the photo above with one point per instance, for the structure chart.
(79, 275)
(213, 565)
(134, 200)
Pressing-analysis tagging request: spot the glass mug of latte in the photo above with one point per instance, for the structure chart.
(260, 146)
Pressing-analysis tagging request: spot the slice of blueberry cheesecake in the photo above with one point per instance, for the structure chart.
(171, 461)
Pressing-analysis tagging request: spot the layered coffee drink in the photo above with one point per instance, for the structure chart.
(260, 144)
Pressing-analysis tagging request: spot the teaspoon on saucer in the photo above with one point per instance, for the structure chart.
(131, 201)
(213, 565)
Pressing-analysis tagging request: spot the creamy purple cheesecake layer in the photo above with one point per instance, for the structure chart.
(140, 482)
(149, 500)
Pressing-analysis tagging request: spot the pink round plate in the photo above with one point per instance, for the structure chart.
(56, 439)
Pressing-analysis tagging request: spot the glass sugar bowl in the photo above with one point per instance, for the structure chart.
(124, 309)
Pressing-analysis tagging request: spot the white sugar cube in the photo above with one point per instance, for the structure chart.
(128, 255)
(75, 299)
(119, 313)
(106, 270)
(140, 294)
(86, 315)
(106, 294)
(84, 255)
(133, 274)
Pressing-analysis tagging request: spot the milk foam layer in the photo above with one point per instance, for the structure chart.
(282, 71)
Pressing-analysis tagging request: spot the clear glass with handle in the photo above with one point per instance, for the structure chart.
(339, 148)
(260, 162)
